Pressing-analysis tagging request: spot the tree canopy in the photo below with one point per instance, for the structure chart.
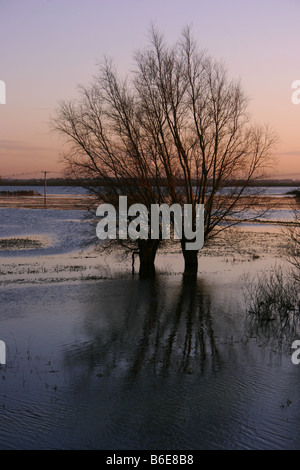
(176, 130)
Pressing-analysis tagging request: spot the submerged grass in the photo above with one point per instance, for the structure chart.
(19, 244)
(272, 296)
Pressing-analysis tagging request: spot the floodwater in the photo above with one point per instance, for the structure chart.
(69, 190)
(63, 231)
(123, 363)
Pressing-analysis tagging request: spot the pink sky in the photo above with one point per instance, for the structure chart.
(47, 47)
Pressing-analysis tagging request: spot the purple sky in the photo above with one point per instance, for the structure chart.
(47, 47)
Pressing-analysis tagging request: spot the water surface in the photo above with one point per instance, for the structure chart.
(170, 363)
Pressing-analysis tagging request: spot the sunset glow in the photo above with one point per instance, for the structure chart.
(49, 47)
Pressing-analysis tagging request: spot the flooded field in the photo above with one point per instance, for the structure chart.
(99, 359)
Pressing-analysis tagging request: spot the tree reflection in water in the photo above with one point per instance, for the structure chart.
(178, 332)
(170, 322)
(173, 361)
(158, 322)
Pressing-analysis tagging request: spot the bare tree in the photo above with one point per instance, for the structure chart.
(177, 131)
(199, 122)
(107, 154)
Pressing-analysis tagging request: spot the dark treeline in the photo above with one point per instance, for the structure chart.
(19, 193)
(100, 182)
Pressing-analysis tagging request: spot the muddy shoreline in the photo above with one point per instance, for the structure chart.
(251, 243)
(250, 248)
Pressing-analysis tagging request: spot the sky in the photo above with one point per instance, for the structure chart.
(49, 47)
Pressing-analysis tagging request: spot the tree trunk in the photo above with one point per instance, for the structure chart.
(147, 253)
(190, 259)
